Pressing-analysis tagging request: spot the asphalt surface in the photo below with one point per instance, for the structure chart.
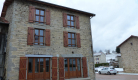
(116, 77)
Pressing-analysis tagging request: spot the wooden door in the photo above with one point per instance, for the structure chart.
(78, 65)
(72, 67)
(38, 69)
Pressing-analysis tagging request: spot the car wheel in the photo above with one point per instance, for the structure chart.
(99, 72)
(108, 73)
(114, 73)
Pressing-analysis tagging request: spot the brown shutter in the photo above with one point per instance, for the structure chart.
(78, 40)
(30, 36)
(61, 68)
(84, 63)
(47, 17)
(65, 36)
(77, 22)
(22, 68)
(54, 68)
(64, 20)
(47, 37)
(31, 14)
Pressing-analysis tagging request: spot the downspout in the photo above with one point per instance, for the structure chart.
(92, 48)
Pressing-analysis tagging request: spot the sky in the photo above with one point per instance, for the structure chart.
(114, 22)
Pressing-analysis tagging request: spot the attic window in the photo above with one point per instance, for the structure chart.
(131, 43)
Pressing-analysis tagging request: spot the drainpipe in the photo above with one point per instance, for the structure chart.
(92, 48)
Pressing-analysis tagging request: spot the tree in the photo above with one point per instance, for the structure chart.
(117, 49)
(107, 51)
(100, 51)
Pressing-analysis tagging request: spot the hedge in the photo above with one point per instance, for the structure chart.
(101, 64)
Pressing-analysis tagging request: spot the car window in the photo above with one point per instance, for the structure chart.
(103, 69)
(111, 68)
(106, 68)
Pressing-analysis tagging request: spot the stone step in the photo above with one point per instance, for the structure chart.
(79, 79)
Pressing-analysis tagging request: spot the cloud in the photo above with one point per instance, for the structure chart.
(114, 22)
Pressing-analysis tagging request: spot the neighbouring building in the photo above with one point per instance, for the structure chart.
(99, 58)
(112, 56)
(44, 41)
(129, 54)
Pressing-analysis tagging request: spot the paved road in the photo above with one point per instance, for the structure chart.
(116, 77)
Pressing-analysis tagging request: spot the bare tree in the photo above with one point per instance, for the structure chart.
(100, 51)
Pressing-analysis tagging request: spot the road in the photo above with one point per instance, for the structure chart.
(116, 77)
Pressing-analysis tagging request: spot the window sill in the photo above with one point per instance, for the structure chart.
(40, 24)
(72, 47)
(39, 46)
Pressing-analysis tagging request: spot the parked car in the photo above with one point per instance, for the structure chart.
(108, 70)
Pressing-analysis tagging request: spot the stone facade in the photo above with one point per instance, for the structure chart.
(129, 55)
(17, 15)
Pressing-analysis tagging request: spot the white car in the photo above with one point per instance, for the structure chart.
(108, 70)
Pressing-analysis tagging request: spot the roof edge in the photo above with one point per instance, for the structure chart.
(63, 7)
(8, 2)
(126, 40)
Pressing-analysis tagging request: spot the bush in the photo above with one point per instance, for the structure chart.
(101, 64)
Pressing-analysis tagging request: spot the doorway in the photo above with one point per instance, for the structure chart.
(38, 69)
(72, 67)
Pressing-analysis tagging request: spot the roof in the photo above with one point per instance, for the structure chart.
(8, 2)
(98, 54)
(127, 40)
(2, 20)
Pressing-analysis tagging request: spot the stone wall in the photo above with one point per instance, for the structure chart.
(129, 55)
(18, 14)
(120, 62)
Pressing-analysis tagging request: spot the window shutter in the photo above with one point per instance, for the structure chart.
(47, 37)
(77, 22)
(30, 36)
(22, 68)
(64, 20)
(65, 35)
(84, 63)
(54, 68)
(47, 17)
(31, 14)
(61, 68)
(78, 40)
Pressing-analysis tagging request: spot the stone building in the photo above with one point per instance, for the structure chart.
(46, 42)
(99, 58)
(129, 54)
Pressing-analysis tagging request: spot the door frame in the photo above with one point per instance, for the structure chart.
(68, 72)
(33, 68)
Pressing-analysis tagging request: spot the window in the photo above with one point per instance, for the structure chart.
(39, 37)
(97, 58)
(70, 21)
(39, 15)
(71, 39)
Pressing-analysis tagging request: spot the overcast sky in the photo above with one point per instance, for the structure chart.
(114, 22)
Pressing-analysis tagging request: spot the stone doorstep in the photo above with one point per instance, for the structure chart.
(79, 79)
